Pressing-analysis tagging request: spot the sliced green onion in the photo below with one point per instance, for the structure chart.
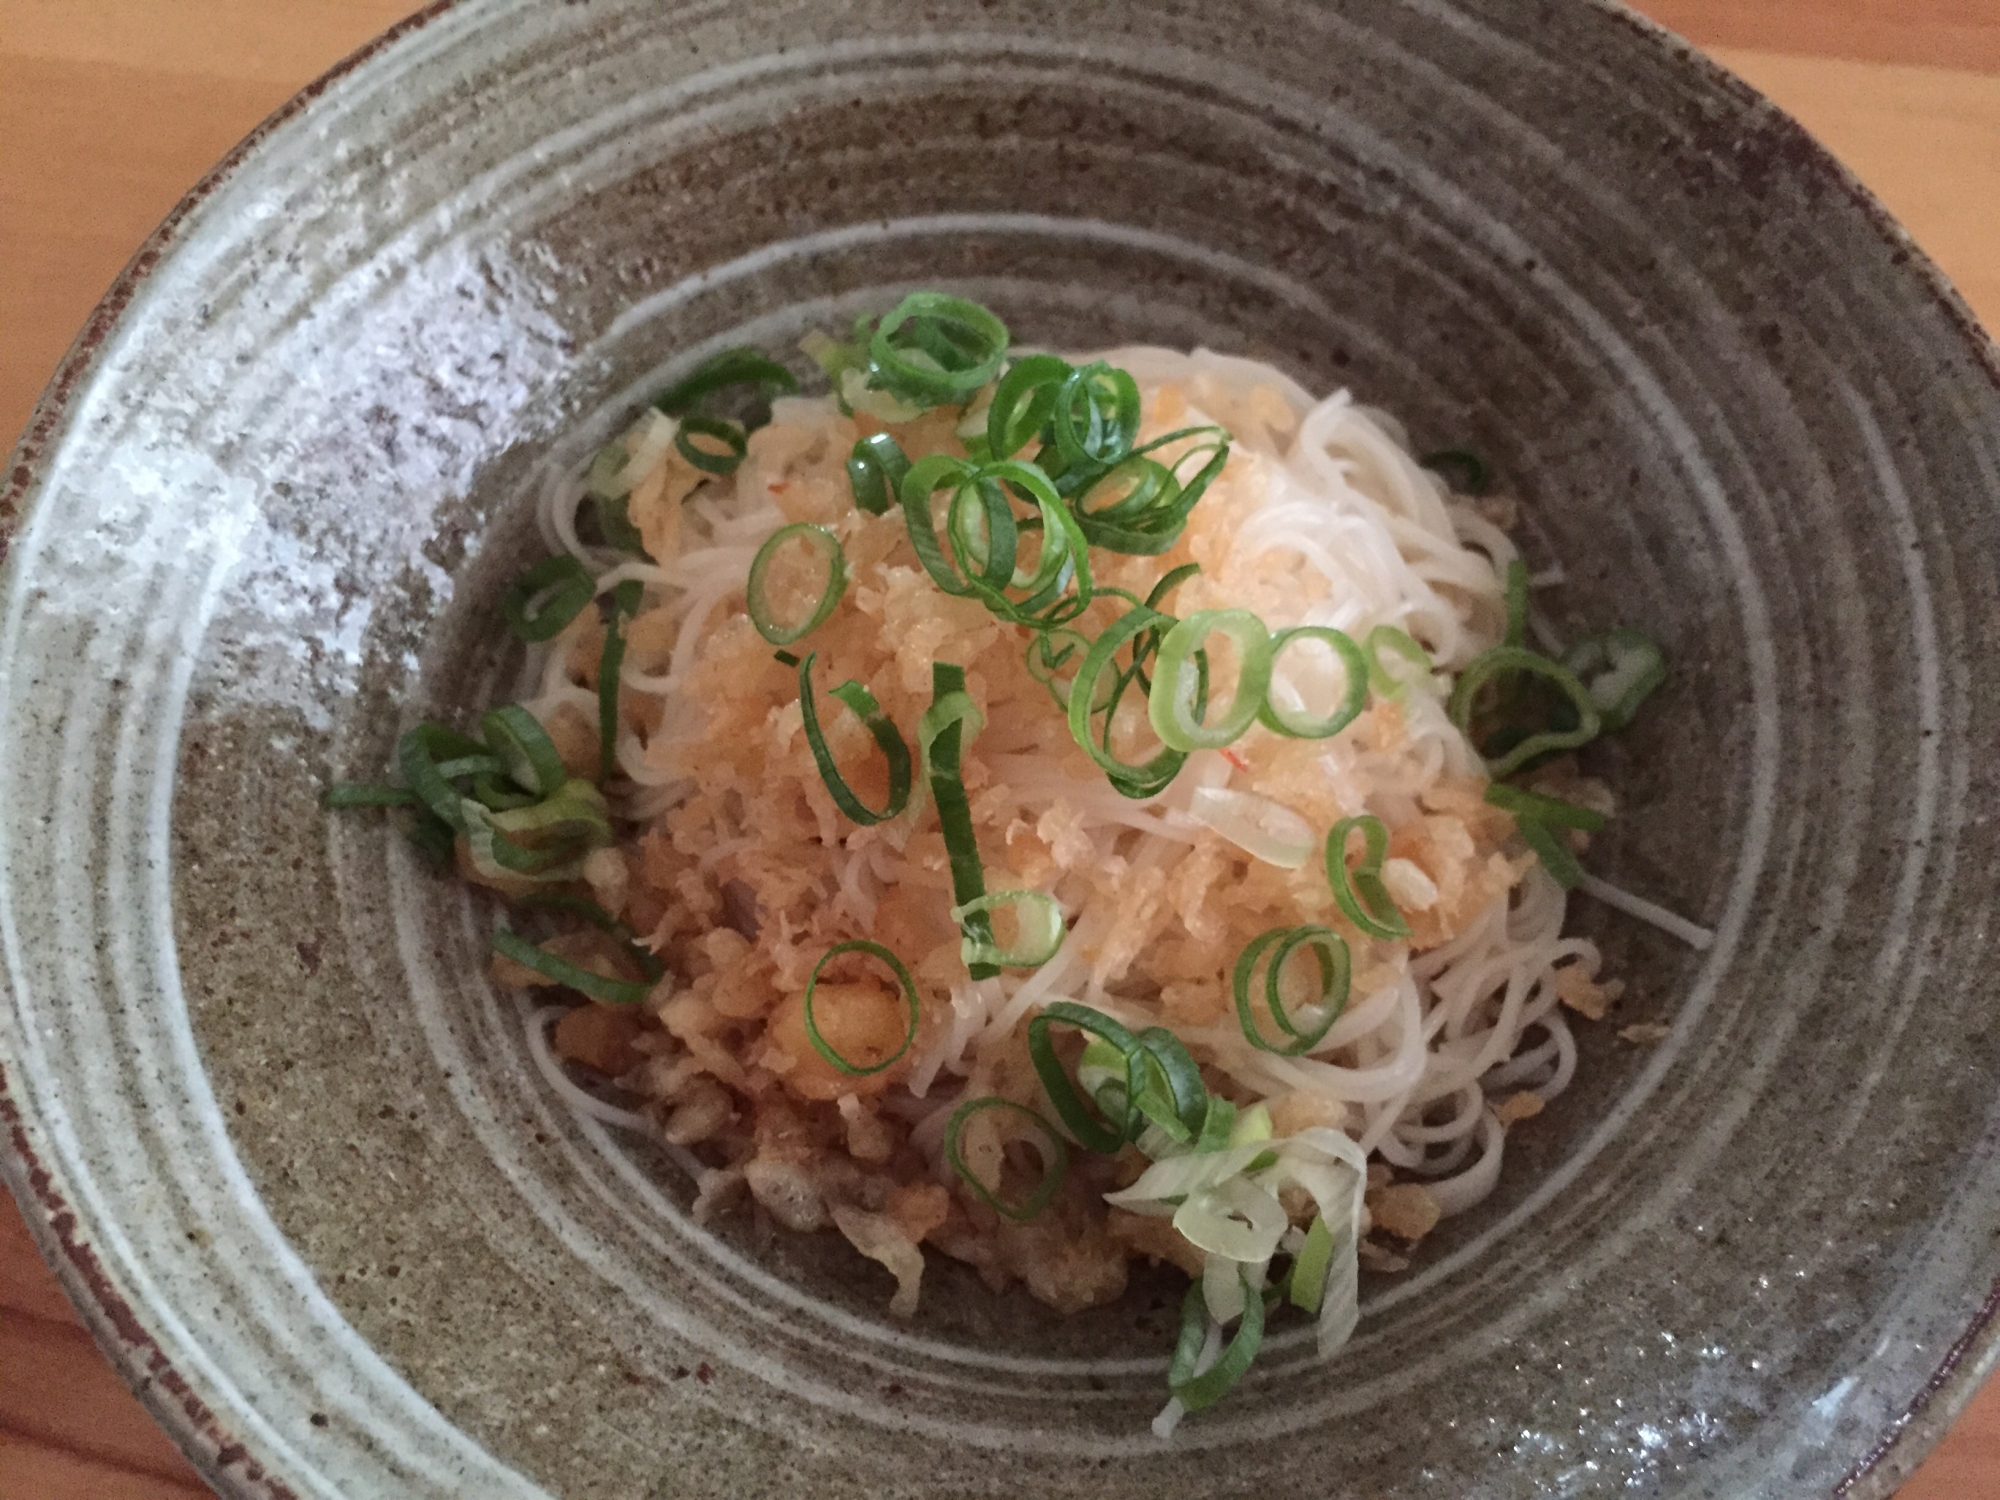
(1523, 803)
(1329, 950)
(1040, 933)
(909, 989)
(610, 663)
(1171, 703)
(862, 704)
(543, 600)
(1555, 855)
(1522, 746)
(1171, 1093)
(1197, 1392)
(1397, 642)
(1022, 403)
(933, 349)
(1091, 1131)
(1517, 604)
(1049, 651)
(984, 537)
(1306, 1286)
(1216, 1126)
(367, 794)
(732, 367)
(1151, 504)
(784, 658)
(625, 461)
(614, 522)
(562, 971)
(1055, 1159)
(1359, 892)
(1620, 669)
(875, 472)
(819, 540)
(529, 755)
(589, 911)
(1463, 461)
(1149, 777)
(951, 719)
(1095, 417)
(1355, 697)
(417, 756)
(544, 841)
(735, 443)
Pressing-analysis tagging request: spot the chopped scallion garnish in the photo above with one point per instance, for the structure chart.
(757, 594)
(1543, 808)
(906, 984)
(1039, 935)
(952, 719)
(1354, 696)
(543, 600)
(710, 460)
(1571, 719)
(1330, 953)
(1053, 1148)
(1359, 892)
(1171, 705)
(879, 725)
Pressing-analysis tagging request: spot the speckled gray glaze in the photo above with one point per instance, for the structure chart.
(279, 1136)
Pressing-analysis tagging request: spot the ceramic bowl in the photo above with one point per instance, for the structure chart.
(284, 1143)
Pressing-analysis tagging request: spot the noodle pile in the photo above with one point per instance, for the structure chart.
(741, 873)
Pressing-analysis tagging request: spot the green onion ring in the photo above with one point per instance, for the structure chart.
(541, 603)
(1143, 780)
(1359, 892)
(1041, 930)
(862, 704)
(1306, 1285)
(433, 838)
(876, 469)
(730, 434)
(731, 367)
(530, 756)
(1171, 703)
(933, 349)
(1555, 855)
(1197, 1392)
(1517, 604)
(417, 758)
(1506, 659)
(1216, 1126)
(1054, 1168)
(1335, 970)
(909, 988)
(1523, 803)
(951, 719)
(1022, 403)
(820, 540)
(1091, 1132)
(1621, 669)
(1181, 1103)
(532, 956)
(1279, 721)
(610, 664)
(1399, 642)
(1103, 439)
(589, 911)
(1468, 463)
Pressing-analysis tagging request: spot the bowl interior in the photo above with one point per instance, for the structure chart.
(252, 1049)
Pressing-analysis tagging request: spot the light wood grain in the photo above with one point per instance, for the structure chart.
(110, 109)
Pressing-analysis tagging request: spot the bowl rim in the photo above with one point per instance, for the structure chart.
(205, 1436)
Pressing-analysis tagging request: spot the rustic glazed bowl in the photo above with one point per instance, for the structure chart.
(283, 1142)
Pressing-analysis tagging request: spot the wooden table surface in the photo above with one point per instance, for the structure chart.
(110, 109)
